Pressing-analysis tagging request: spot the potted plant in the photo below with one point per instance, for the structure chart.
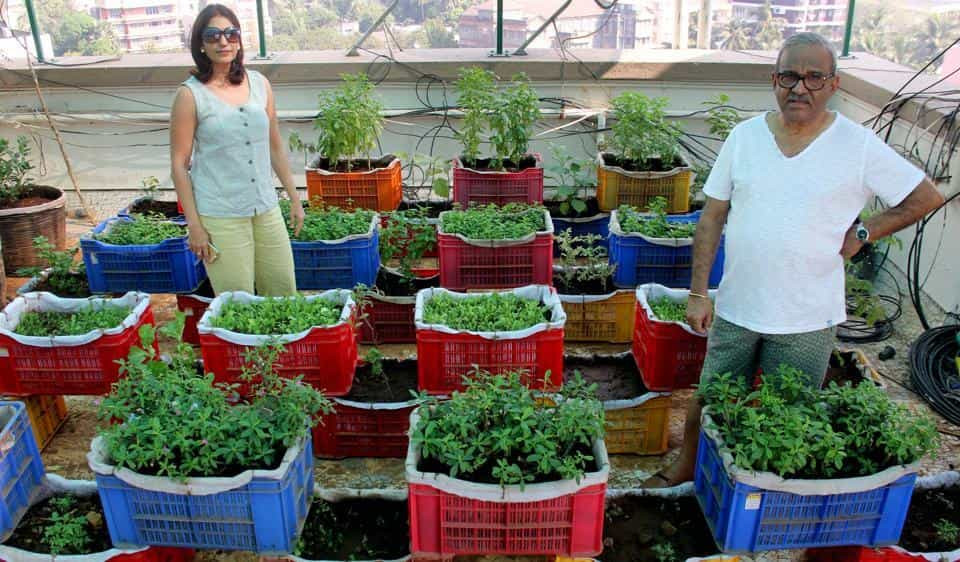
(495, 247)
(141, 253)
(839, 464)
(186, 463)
(27, 210)
(646, 160)
(721, 119)
(66, 523)
(343, 173)
(571, 207)
(518, 475)
(336, 248)
(596, 311)
(516, 330)
(317, 331)
(53, 345)
(149, 203)
(507, 115)
(655, 248)
(21, 468)
(59, 273)
(669, 354)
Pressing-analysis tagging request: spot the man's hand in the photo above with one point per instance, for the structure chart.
(699, 314)
(850, 243)
(296, 216)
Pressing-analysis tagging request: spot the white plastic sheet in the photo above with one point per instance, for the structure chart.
(487, 243)
(542, 293)
(374, 225)
(650, 291)
(48, 302)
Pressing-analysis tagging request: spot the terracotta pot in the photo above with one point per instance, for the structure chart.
(19, 226)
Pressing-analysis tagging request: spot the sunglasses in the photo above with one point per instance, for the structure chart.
(213, 35)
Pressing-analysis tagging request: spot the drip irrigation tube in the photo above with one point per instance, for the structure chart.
(933, 370)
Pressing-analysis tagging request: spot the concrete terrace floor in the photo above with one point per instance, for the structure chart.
(66, 454)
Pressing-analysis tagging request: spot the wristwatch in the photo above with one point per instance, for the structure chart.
(863, 234)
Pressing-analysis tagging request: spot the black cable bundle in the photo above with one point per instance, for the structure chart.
(933, 371)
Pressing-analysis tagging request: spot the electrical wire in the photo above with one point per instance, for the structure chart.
(933, 371)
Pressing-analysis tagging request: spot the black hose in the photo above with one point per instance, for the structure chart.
(933, 371)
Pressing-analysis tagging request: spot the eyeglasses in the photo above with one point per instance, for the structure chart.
(812, 82)
(213, 35)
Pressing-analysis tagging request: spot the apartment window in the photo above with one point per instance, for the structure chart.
(153, 10)
(115, 13)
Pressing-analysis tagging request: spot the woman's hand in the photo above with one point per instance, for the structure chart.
(199, 242)
(296, 216)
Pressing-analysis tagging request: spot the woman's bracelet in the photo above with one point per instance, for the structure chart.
(692, 294)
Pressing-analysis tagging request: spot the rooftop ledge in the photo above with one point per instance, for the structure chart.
(865, 76)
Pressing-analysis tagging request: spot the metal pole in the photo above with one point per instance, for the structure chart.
(260, 30)
(35, 30)
(849, 30)
(499, 51)
(353, 51)
(679, 26)
(522, 49)
(704, 20)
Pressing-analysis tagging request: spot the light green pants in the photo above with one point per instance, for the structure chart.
(735, 349)
(255, 252)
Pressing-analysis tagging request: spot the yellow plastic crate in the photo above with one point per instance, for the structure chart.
(614, 188)
(640, 428)
(47, 415)
(609, 319)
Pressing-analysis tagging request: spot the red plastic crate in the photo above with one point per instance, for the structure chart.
(388, 320)
(465, 265)
(87, 369)
(149, 554)
(360, 430)
(443, 359)
(862, 554)
(193, 306)
(471, 187)
(668, 357)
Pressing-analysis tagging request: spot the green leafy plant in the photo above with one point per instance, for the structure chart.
(277, 316)
(476, 91)
(407, 236)
(655, 224)
(664, 552)
(14, 166)
(582, 260)
(67, 531)
(490, 222)
(790, 429)
(150, 187)
(434, 170)
(485, 313)
(67, 276)
(374, 358)
(721, 118)
(573, 178)
(498, 431)
(947, 532)
(171, 422)
(142, 230)
(642, 133)
(517, 109)
(328, 223)
(349, 121)
(665, 309)
(44, 324)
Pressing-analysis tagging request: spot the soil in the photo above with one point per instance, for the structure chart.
(843, 370)
(152, 206)
(45, 286)
(367, 387)
(29, 533)
(434, 208)
(483, 164)
(593, 208)
(356, 165)
(616, 377)
(484, 474)
(398, 286)
(635, 525)
(590, 287)
(653, 165)
(360, 529)
(927, 508)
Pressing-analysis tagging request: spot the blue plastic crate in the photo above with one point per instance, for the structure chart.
(167, 267)
(342, 265)
(598, 224)
(747, 519)
(639, 261)
(21, 469)
(263, 516)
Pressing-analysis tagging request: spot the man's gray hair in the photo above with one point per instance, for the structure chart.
(808, 39)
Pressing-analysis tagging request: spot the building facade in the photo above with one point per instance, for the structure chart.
(826, 17)
(142, 25)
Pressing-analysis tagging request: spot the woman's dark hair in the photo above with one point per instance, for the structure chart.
(204, 69)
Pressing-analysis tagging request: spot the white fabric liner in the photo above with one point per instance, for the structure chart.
(458, 163)
(542, 293)
(495, 492)
(769, 481)
(48, 302)
(195, 486)
(583, 219)
(393, 300)
(393, 163)
(396, 271)
(54, 484)
(609, 405)
(939, 480)
(376, 405)
(488, 243)
(672, 242)
(650, 291)
(293, 558)
(204, 326)
(952, 556)
(646, 175)
(582, 299)
(374, 225)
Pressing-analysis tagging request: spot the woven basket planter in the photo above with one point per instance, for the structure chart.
(19, 226)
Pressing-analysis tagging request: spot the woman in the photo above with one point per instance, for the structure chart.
(224, 137)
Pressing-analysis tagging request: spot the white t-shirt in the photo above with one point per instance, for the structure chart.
(783, 272)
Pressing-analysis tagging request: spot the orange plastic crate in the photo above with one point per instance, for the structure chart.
(638, 189)
(609, 319)
(641, 429)
(47, 416)
(380, 189)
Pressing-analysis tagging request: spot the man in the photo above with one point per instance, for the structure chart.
(788, 185)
